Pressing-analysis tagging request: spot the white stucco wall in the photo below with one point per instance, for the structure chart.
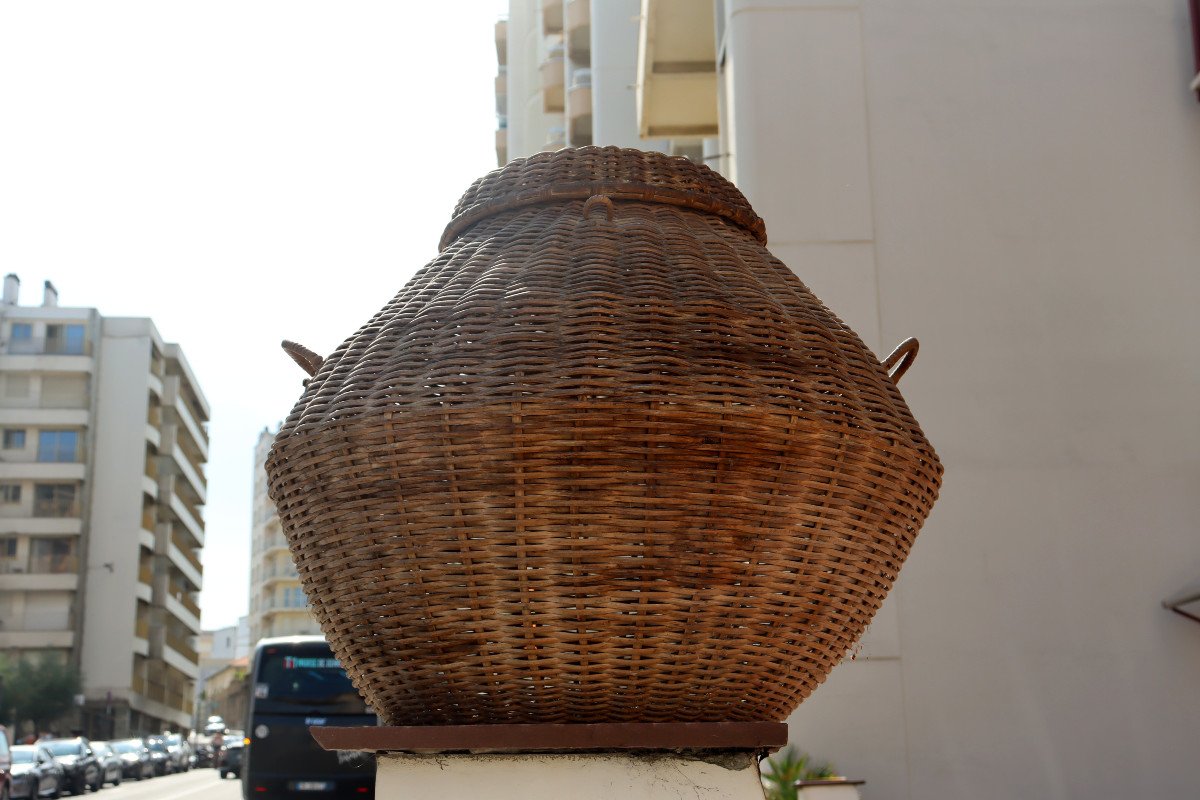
(1019, 187)
(110, 602)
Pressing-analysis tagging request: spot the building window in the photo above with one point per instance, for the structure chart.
(20, 338)
(293, 597)
(8, 556)
(54, 500)
(65, 339)
(14, 438)
(10, 492)
(53, 556)
(58, 446)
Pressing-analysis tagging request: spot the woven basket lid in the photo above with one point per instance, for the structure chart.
(603, 459)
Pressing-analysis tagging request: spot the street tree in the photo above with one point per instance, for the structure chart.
(39, 692)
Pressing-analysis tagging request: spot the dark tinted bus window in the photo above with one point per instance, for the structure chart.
(302, 677)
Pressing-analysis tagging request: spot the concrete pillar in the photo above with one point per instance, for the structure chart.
(728, 775)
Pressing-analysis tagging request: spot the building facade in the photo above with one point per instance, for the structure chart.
(278, 606)
(1017, 186)
(101, 488)
(217, 649)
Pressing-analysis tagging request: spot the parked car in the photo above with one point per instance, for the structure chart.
(77, 759)
(5, 764)
(35, 772)
(203, 754)
(179, 750)
(135, 758)
(160, 759)
(229, 760)
(110, 763)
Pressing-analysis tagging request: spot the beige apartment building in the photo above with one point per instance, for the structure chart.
(101, 488)
(1018, 185)
(278, 606)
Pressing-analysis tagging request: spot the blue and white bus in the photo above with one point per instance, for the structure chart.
(296, 682)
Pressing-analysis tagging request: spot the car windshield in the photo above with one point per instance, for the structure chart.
(127, 747)
(64, 748)
(157, 746)
(173, 739)
(22, 755)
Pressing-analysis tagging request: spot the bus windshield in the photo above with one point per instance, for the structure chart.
(304, 676)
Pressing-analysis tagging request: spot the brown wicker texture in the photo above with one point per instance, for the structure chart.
(604, 459)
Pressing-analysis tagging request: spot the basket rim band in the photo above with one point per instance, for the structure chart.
(614, 190)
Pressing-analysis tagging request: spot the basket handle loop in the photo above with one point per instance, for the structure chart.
(309, 361)
(901, 359)
(598, 200)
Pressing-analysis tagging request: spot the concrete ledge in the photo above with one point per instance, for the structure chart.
(557, 738)
(579, 776)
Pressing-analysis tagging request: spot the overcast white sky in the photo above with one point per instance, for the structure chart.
(241, 172)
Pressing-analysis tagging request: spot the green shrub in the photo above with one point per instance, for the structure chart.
(789, 765)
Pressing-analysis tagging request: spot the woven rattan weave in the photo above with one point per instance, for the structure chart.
(604, 459)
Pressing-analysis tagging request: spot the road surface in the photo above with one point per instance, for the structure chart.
(198, 784)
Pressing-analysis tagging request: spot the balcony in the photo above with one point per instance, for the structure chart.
(39, 582)
(183, 596)
(556, 138)
(186, 552)
(275, 543)
(187, 420)
(184, 559)
(677, 71)
(180, 645)
(46, 363)
(579, 108)
(502, 42)
(189, 521)
(50, 346)
(141, 638)
(145, 585)
(42, 415)
(502, 92)
(182, 465)
(552, 16)
(36, 640)
(56, 507)
(65, 471)
(579, 30)
(278, 572)
(553, 79)
(63, 526)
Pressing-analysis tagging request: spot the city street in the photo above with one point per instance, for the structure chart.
(198, 784)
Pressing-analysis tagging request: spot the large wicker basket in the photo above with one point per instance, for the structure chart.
(604, 459)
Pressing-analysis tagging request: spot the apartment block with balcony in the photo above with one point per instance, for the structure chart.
(567, 66)
(278, 606)
(102, 452)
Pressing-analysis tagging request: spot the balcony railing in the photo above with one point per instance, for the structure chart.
(54, 564)
(186, 549)
(180, 645)
(185, 599)
(13, 566)
(53, 346)
(57, 507)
